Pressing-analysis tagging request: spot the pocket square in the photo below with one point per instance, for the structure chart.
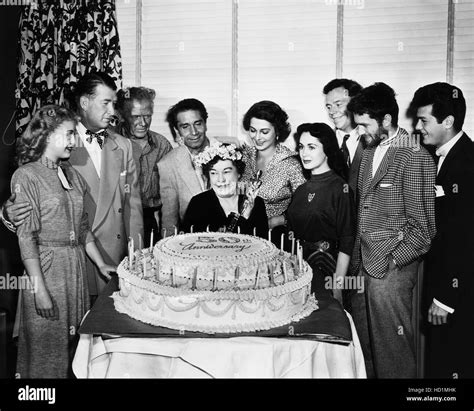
(385, 185)
(439, 191)
(123, 173)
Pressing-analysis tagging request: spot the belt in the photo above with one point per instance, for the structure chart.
(327, 246)
(58, 243)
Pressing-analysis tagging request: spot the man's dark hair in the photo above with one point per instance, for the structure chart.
(126, 96)
(181, 106)
(447, 100)
(271, 112)
(376, 100)
(350, 85)
(87, 85)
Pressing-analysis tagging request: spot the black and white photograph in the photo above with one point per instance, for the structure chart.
(251, 191)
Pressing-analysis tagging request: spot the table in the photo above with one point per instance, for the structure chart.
(113, 345)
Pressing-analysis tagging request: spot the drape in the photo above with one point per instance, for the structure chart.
(59, 42)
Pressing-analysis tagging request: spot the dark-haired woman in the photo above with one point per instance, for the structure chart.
(267, 125)
(53, 241)
(322, 212)
(222, 206)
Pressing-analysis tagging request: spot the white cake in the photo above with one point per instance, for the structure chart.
(215, 283)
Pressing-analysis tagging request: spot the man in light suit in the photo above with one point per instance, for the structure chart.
(395, 227)
(439, 110)
(338, 93)
(180, 180)
(113, 200)
(104, 159)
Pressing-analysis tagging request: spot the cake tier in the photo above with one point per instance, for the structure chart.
(227, 311)
(210, 255)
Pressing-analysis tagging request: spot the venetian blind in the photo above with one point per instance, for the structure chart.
(187, 52)
(286, 53)
(463, 71)
(403, 44)
(127, 27)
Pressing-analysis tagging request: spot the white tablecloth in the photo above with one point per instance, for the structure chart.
(238, 357)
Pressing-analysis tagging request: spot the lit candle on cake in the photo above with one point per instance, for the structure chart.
(285, 274)
(238, 229)
(214, 280)
(269, 234)
(191, 229)
(172, 277)
(132, 250)
(282, 242)
(151, 241)
(175, 230)
(207, 228)
(257, 277)
(195, 274)
(255, 231)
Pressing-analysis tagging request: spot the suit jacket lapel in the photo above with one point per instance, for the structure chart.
(186, 170)
(459, 146)
(109, 178)
(366, 166)
(82, 162)
(358, 153)
(383, 167)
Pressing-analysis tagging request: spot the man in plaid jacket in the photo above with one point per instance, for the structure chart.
(395, 227)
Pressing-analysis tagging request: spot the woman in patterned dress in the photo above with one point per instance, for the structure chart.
(53, 241)
(267, 125)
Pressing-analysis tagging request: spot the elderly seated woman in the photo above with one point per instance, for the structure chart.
(222, 207)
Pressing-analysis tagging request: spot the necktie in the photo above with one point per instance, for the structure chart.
(100, 136)
(345, 151)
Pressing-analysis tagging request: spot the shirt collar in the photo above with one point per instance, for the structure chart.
(353, 134)
(389, 140)
(444, 149)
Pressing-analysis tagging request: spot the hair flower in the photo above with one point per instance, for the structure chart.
(223, 151)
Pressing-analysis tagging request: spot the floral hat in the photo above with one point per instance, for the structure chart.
(224, 151)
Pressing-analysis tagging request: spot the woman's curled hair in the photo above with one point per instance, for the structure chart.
(32, 143)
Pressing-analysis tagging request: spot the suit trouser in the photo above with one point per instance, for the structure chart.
(383, 320)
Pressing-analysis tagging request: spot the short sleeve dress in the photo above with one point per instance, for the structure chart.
(55, 233)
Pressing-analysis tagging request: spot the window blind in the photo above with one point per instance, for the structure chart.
(463, 71)
(127, 27)
(286, 53)
(403, 44)
(187, 52)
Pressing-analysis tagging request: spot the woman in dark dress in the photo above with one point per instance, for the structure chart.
(322, 212)
(222, 207)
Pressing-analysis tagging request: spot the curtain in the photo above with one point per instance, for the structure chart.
(59, 42)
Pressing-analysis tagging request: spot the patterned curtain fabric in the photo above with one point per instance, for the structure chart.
(59, 42)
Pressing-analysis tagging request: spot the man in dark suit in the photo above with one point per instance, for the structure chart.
(395, 227)
(439, 110)
(338, 93)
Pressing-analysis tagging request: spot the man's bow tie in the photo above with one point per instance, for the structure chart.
(100, 136)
